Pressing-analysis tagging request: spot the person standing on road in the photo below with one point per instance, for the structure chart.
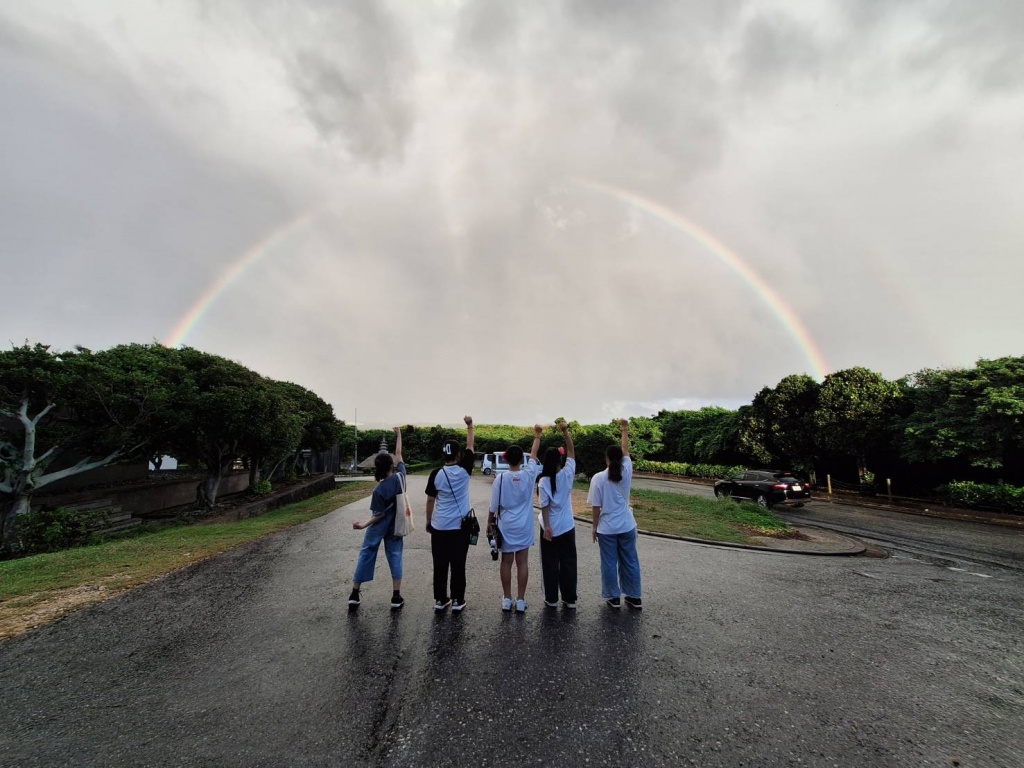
(557, 525)
(511, 510)
(381, 527)
(447, 503)
(614, 525)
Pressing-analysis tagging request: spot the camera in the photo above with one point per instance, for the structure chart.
(494, 548)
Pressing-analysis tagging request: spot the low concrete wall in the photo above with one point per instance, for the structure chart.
(147, 498)
(314, 487)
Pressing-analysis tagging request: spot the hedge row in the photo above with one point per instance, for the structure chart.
(712, 471)
(1000, 496)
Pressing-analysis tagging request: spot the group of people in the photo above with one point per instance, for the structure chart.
(509, 523)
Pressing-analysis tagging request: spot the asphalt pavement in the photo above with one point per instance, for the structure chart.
(738, 658)
(947, 541)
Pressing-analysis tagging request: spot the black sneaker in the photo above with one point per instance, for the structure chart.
(634, 602)
(397, 601)
(458, 605)
(613, 602)
(353, 599)
(440, 605)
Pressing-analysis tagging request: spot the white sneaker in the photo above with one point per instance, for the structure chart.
(520, 606)
(569, 605)
(550, 604)
(506, 604)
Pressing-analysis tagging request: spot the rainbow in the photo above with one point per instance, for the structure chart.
(788, 318)
(232, 272)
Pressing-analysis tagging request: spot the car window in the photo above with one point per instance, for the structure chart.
(751, 476)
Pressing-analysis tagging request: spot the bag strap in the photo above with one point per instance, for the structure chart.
(501, 484)
(452, 489)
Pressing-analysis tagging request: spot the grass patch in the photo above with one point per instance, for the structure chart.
(695, 516)
(42, 587)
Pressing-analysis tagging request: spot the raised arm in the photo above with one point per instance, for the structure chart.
(624, 424)
(570, 449)
(470, 434)
(398, 444)
(538, 430)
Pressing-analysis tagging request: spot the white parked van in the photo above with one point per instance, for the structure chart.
(494, 463)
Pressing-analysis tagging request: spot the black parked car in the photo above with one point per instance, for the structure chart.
(766, 487)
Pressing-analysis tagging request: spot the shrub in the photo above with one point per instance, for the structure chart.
(686, 469)
(53, 530)
(262, 487)
(998, 496)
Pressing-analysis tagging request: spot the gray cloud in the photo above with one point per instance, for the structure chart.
(852, 157)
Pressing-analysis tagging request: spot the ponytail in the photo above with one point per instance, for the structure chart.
(614, 456)
(552, 463)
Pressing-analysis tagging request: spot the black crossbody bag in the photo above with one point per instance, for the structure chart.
(469, 522)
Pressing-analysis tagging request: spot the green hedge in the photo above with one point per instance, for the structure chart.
(964, 493)
(685, 469)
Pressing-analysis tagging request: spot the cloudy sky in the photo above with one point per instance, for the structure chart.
(522, 210)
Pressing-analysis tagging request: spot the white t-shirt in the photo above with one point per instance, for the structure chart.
(515, 490)
(560, 513)
(613, 499)
(452, 501)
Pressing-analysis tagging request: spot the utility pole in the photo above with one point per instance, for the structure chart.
(355, 423)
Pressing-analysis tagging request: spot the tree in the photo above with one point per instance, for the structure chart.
(976, 414)
(855, 413)
(779, 425)
(65, 413)
(212, 406)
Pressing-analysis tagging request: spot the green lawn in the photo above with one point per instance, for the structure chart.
(111, 567)
(694, 516)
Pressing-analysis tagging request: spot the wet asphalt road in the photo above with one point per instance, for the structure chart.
(740, 658)
(957, 542)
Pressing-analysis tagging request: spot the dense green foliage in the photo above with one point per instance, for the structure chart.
(686, 469)
(54, 530)
(976, 414)
(1000, 496)
(144, 400)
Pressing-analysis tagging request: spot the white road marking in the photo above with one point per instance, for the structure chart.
(969, 573)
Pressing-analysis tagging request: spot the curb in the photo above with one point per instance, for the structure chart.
(752, 547)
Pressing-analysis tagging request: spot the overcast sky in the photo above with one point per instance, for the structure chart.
(518, 210)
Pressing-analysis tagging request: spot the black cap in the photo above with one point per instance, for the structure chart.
(451, 449)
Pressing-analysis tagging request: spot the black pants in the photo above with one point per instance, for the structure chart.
(449, 550)
(558, 566)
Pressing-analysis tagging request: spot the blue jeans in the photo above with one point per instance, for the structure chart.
(620, 566)
(374, 535)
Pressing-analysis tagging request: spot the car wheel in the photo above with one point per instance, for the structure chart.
(487, 471)
(762, 501)
(722, 493)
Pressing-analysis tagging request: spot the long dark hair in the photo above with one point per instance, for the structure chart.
(614, 456)
(552, 463)
(382, 464)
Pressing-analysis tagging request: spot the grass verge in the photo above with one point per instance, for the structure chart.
(37, 589)
(696, 517)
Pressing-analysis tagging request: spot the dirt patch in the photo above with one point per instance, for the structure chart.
(750, 530)
(16, 618)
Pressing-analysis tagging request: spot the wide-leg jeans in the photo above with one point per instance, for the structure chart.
(372, 538)
(620, 566)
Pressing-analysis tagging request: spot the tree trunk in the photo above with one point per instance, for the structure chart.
(206, 492)
(22, 504)
(254, 471)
